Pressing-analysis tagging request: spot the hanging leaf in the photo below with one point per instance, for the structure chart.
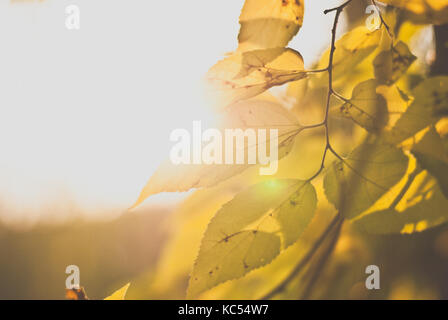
(253, 114)
(423, 11)
(391, 64)
(245, 75)
(367, 108)
(429, 105)
(425, 207)
(432, 155)
(249, 231)
(269, 24)
(354, 184)
(354, 46)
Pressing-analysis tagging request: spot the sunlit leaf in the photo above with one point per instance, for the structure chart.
(429, 105)
(249, 231)
(390, 65)
(354, 184)
(245, 75)
(367, 108)
(423, 11)
(426, 209)
(354, 46)
(120, 294)
(432, 155)
(269, 24)
(252, 114)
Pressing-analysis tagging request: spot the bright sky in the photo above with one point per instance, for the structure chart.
(85, 116)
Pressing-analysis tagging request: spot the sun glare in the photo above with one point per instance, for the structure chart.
(86, 114)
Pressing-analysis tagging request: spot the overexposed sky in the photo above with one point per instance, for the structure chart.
(85, 115)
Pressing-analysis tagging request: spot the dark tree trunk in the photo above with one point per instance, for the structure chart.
(440, 65)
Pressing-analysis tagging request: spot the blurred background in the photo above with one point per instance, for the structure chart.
(85, 118)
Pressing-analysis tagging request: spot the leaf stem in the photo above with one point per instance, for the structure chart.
(331, 92)
(405, 188)
(304, 261)
(337, 221)
(383, 22)
(321, 263)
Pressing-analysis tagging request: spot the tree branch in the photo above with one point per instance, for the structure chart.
(321, 263)
(383, 22)
(303, 262)
(328, 148)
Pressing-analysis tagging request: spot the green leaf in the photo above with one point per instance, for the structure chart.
(249, 231)
(427, 210)
(353, 184)
(429, 105)
(120, 294)
(245, 75)
(432, 155)
(367, 108)
(269, 24)
(390, 65)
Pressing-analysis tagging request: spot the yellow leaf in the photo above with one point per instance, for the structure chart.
(429, 105)
(390, 65)
(249, 231)
(245, 75)
(355, 46)
(423, 11)
(252, 114)
(367, 108)
(120, 294)
(432, 155)
(355, 183)
(426, 208)
(269, 24)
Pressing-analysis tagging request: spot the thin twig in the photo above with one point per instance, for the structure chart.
(321, 263)
(303, 262)
(328, 148)
(405, 188)
(383, 22)
(317, 71)
(331, 91)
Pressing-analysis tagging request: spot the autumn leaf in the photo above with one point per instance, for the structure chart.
(252, 114)
(432, 155)
(390, 65)
(425, 208)
(353, 184)
(366, 108)
(245, 75)
(423, 11)
(429, 104)
(249, 231)
(120, 294)
(354, 46)
(269, 24)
